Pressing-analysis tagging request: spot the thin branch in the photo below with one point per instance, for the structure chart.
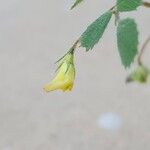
(143, 50)
(146, 4)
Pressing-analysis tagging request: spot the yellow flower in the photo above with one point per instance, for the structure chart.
(65, 75)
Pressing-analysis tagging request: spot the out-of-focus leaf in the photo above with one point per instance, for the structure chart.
(76, 3)
(95, 31)
(128, 5)
(127, 40)
(140, 75)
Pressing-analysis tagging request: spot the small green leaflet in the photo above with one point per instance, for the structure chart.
(76, 3)
(127, 40)
(95, 31)
(128, 5)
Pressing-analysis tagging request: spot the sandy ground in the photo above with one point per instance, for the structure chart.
(33, 35)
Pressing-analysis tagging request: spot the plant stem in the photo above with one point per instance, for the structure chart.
(72, 49)
(146, 4)
(143, 50)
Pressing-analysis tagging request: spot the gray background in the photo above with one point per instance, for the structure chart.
(33, 35)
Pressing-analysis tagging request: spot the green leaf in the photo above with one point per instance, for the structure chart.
(76, 3)
(127, 40)
(95, 31)
(128, 5)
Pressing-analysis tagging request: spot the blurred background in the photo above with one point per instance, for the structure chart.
(101, 112)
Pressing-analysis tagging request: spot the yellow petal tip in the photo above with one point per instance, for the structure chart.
(47, 88)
